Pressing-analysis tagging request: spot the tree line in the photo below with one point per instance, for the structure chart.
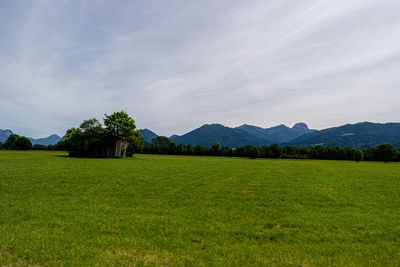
(81, 143)
(16, 142)
(120, 137)
(163, 145)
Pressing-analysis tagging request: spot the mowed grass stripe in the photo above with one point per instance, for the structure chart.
(181, 210)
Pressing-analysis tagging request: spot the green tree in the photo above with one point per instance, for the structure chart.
(226, 151)
(17, 143)
(254, 152)
(23, 143)
(74, 141)
(164, 145)
(123, 127)
(120, 124)
(189, 149)
(181, 149)
(386, 153)
(216, 149)
(200, 150)
(358, 155)
(91, 126)
(136, 144)
(11, 141)
(370, 153)
(39, 147)
(276, 151)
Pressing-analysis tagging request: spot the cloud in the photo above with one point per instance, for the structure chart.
(175, 65)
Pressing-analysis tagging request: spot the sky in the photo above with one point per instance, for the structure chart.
(176, 65)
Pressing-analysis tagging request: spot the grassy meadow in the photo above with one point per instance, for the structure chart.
(182, 210)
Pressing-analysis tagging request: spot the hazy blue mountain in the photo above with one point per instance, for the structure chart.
(360, 135)
(148, 135)
(207, 134)
(173, 136)
(4, 134)
(50, 140)
(278, 134)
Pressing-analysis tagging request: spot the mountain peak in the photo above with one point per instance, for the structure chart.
(148, 135)
(300, 125)
(4, 134)
(207, 134)
(281, 126)
(212, 124)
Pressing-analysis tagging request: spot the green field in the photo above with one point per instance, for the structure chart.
(181, 210)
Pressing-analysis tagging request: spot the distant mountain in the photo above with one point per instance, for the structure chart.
(4, 134)
(278, 134)
(361, 135)
(207, 134)
(148, 135)
(51, 140)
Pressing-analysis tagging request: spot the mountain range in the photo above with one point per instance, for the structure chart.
(208, 134)
(360, 135)
(50, 140)
(278, 134)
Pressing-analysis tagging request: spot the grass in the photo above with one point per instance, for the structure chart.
(177, 210)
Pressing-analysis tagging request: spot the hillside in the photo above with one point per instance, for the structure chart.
(360, 135)
(148, 135)
(278, 134)
(207, 134)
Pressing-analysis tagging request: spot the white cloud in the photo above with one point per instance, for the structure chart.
(178, 64)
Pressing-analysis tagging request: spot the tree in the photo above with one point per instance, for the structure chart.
(74, 141)
(370, 153)
(120, 124)
(181, 149)
(289, 151)
(189, 149)
(91, 126)
(386, 153)
(226, 151)
(200, 150)
(39, 147)
(216, 149)
(276, 151)
(358, 155)
(122, 127)
(11, 141)
(164, 145)
(17, 143)
(136, 144)
(23, 143)
(254, 152)
(92, 140)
